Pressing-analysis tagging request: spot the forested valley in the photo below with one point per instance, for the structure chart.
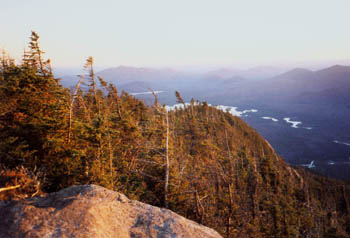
(200, 162)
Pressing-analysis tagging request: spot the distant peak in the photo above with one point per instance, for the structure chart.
(296, 72)
(336, 69)
(300, 70)
(338, 66)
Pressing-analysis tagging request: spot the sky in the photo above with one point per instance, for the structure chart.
(164, 33)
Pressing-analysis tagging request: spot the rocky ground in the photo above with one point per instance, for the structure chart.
(93, 211)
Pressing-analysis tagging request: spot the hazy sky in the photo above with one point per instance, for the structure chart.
(178, 32)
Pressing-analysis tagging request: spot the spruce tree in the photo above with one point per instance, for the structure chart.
(31, 132)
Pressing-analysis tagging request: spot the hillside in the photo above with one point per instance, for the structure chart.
(200, 162)
(318, 99)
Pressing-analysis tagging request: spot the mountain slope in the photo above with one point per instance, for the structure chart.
(242, 186)
(319, 99)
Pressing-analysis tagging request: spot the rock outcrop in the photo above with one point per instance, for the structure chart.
(93, 211)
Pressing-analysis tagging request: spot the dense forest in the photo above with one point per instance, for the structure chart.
(200, 162)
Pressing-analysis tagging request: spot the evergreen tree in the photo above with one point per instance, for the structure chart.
(31, 132)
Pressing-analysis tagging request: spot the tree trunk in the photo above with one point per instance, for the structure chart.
(166, 176)
(9, 188)
(75, 95)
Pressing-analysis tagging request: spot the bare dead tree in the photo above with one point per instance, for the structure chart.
(75, 95)
(166, 157)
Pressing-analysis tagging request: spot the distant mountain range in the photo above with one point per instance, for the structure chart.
(329, 85)
(124, 76)
(226, 86)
